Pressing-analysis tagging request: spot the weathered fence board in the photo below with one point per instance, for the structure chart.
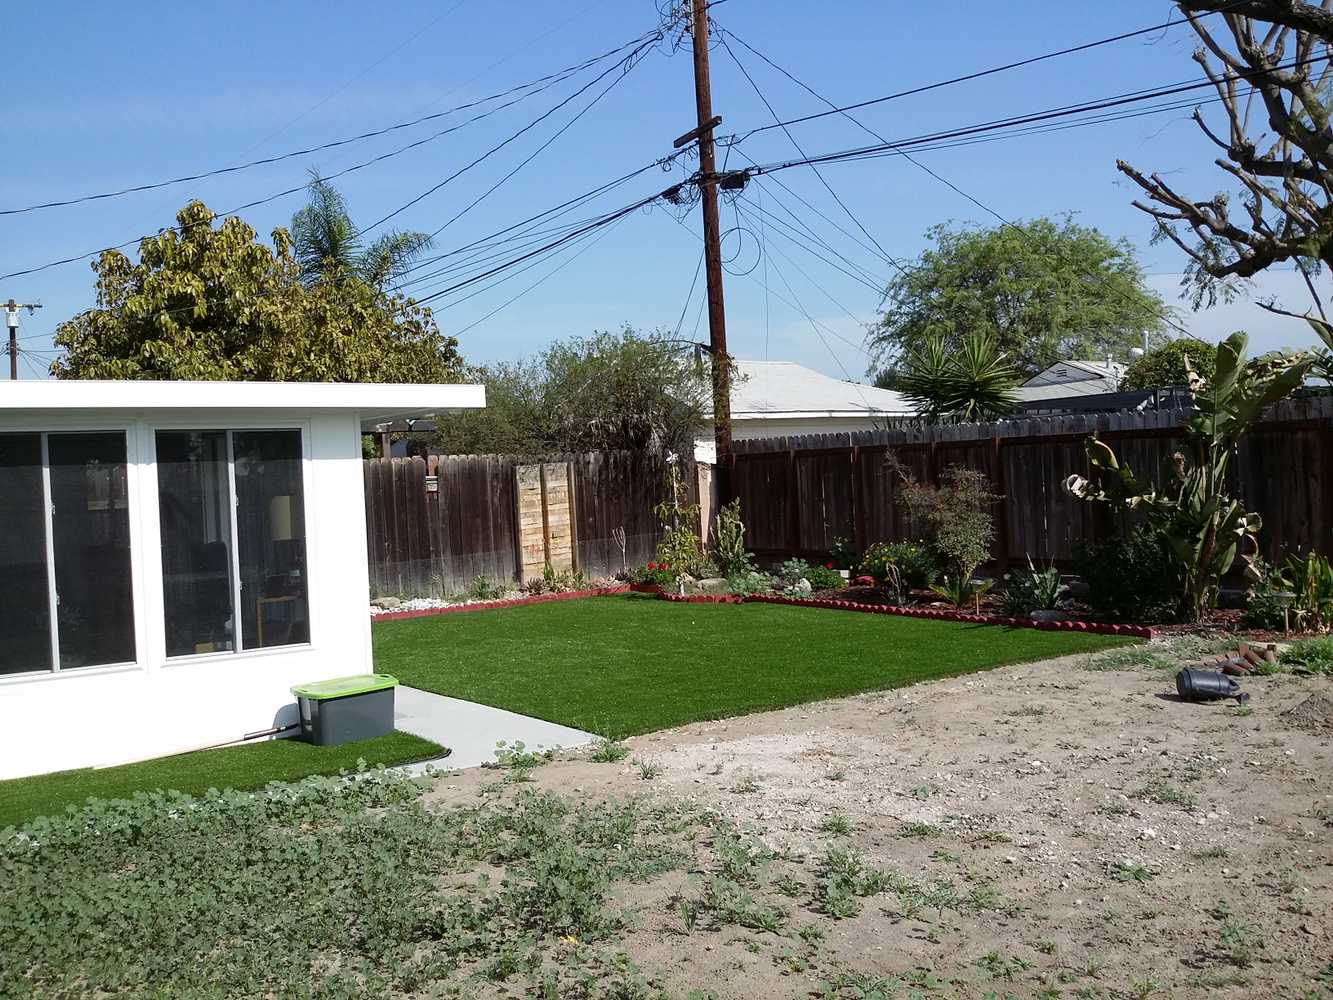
(799, 493)
(434, 525)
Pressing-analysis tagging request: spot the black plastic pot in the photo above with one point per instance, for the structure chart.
(1208, 685)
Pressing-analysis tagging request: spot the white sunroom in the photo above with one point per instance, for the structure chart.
(175, 556)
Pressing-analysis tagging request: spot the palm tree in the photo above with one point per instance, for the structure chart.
(967, 383)
(327, 243)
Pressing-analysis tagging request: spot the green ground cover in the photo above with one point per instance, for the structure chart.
(625, 665)
(238, 768)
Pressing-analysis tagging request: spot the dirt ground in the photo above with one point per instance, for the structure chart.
(1059, 829)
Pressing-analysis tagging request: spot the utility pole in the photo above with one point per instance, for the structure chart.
(717, 317)
(12, 321)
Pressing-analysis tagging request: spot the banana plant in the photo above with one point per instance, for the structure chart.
(1205, 529)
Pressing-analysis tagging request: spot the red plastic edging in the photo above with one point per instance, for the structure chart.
(700, 598)
(1100, 628)
(514, 602)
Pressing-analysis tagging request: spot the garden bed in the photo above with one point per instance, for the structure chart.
(508, 602)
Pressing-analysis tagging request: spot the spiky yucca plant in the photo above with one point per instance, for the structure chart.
(969, 383)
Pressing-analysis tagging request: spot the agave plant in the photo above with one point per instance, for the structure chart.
(965, 383)
(1205, 528)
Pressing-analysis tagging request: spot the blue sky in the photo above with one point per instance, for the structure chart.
(103, 96)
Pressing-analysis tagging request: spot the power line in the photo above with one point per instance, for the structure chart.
(627, 63)
(1164, 315)
(535, 86)
(787, 131)
(895, 148)
(987, 72)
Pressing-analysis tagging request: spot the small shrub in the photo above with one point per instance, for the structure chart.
(752, 582)
(1133, 578)
(657, 573)
(1315, 655)
(960, 591)
(483, 590)
(729, 542)
(793, 570)
(1311, 579)
(842, 553)
(914, 563)
(1263, 608)
(824, 577)
(1032, 589)
(957, 512)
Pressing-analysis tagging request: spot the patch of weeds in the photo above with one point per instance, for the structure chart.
(922, 830)
(746, 786)
(1242, 941)
(836, 776)
(1093, 965)
(1314, 655)
(1113, 807)
(1029, 712)
(1126, 872)
(1144, 989)
(860, 986)
(789, 886)
(922, 792)
(992, 837)
(1322, 811)
(1047, 947)
(998, 966)
(1217, 852)
(844, 879)
(1128, 658)
(519, 761)
(836, 824)
(649, 769)
(741, 860)
(608, 752)
(1163, 792)
(1242, 711)
(731, 903)
(985, 898)
(947, 857)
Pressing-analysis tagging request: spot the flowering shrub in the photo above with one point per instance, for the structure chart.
(915, 565)
(659, 573)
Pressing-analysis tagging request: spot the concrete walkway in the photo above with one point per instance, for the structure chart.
(471, 730)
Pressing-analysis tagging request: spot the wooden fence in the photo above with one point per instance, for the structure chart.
(436, 524)
(799, 494)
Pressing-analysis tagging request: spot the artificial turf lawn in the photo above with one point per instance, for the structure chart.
(239, 768)
(625, 665)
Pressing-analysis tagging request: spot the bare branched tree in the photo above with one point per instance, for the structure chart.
(1269, 62)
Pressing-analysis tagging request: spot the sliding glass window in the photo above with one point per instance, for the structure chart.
(65, 507)
(232, 514)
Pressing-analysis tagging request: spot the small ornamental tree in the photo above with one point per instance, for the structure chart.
(1204, 527)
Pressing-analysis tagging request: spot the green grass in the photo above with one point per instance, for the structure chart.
(238, 768)
(625, 665)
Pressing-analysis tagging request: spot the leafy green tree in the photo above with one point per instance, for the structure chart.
(212, 302)
(972, 383)
(328, 244)
(611, 390)
(1203, 526)
(1046, 290)
(1169, 365)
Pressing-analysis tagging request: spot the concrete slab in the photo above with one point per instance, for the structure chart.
(471, 730)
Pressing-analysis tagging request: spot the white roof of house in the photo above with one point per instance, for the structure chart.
(783, 389)
(1072, 378)
(372, 402)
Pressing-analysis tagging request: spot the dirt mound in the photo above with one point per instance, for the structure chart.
(1314, 714)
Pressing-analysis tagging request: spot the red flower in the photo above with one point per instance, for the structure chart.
(828, 565)
(663, 566)
(652, 565)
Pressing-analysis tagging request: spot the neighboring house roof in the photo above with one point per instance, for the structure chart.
(1072, 378)
(784, 390)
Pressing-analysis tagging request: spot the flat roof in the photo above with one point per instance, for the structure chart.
(373, 402)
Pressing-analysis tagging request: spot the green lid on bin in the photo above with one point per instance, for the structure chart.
(342, 687)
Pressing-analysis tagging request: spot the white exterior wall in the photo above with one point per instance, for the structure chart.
(98, 716)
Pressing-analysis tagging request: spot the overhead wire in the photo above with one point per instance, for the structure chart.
(979, 74)
(536, 87)
(1162, 314)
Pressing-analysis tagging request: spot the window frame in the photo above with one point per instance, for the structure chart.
(129, 429)
(307, 467)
